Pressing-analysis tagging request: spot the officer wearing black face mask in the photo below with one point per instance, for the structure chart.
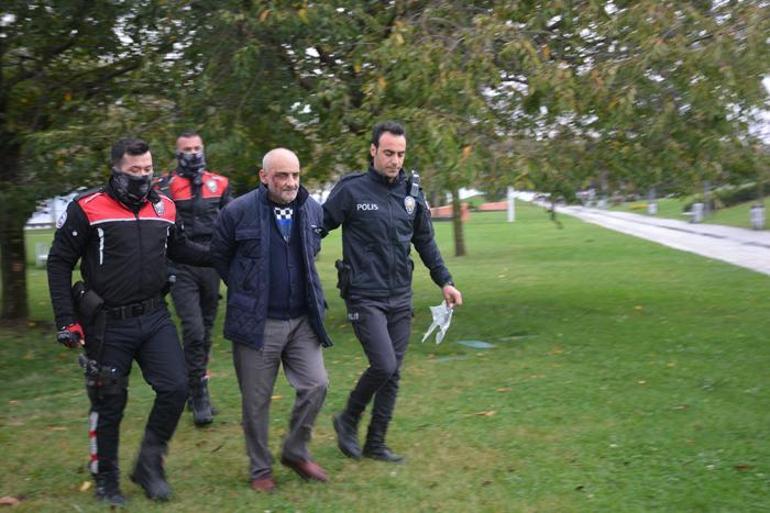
(122, 235)
(131, 189)
(199, 195)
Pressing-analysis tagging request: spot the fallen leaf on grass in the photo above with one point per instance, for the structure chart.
(504, 389)
(9, 501)
(85, 486)
(488, 413)
(743, 467)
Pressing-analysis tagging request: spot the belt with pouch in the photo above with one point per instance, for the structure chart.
(134, 309)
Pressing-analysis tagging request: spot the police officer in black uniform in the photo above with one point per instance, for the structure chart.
(199, 195)
(382, 213)
(122, 234)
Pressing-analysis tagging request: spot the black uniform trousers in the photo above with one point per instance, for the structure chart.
(150, 339)
(382, 325)
(196, 295)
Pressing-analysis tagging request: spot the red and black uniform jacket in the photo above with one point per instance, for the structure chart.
(198, 204)
(122, 252)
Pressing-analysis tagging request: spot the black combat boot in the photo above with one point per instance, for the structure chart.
(346, 426)
(375, 447)
(201, 403)
(108, 488)
(148, 471)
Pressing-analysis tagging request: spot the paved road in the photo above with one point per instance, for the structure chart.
(738, 246)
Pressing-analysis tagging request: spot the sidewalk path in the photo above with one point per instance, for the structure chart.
(738, 246)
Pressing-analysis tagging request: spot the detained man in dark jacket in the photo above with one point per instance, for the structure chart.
(263, 248)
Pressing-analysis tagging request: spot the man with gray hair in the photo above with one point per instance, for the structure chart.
(264, 247)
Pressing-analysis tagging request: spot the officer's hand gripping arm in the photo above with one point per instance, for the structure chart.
(333, 210)
(183, 250)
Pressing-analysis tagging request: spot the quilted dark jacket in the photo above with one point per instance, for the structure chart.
(240, 250)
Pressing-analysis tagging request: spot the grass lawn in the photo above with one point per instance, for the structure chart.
(625, 377)
(672, 208)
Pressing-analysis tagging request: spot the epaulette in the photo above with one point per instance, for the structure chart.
(88, 192)
(351, 176)
(163, 182)
(155, 196)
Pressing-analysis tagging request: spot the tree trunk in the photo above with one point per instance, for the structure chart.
(14, 269)
(13, 259)
(457, 223)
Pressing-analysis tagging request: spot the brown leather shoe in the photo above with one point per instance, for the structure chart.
(307, 469)
(265, 484)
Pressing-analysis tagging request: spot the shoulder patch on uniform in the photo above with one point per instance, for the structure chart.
(159, 207)
(409, 204)
(62, 219)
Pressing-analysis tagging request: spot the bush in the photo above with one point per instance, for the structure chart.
(726, 196)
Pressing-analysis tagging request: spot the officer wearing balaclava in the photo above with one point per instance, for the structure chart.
(199, 195)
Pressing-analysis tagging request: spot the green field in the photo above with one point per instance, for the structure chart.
(625, 377)
(672, 208)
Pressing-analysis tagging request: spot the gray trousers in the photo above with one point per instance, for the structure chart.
(294, 344)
